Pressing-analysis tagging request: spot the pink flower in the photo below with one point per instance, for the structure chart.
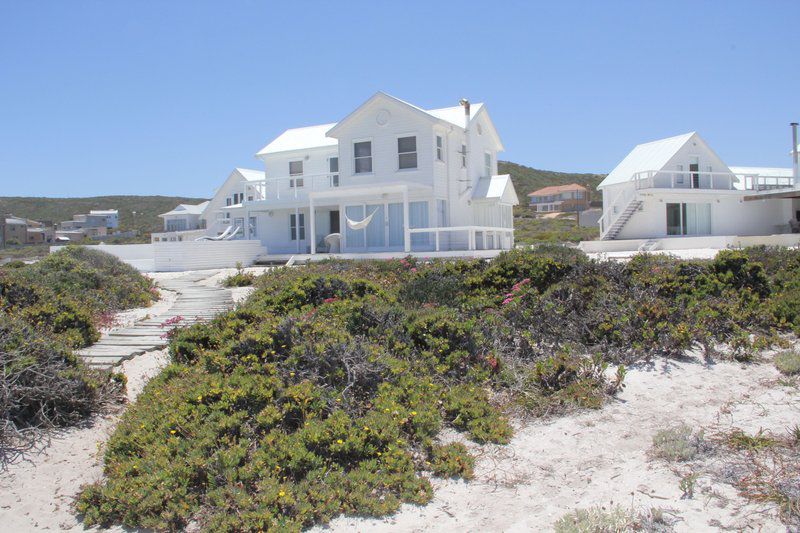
(413, 269)
(508, 301)
(329, 300)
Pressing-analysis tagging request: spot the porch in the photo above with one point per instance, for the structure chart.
(368, 219)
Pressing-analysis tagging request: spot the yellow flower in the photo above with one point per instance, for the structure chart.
(172, 431)
(379, 454)
(200, 398)
(413, 413)
(281, 494)
(339, 441)
(291, 374)
(366, 428)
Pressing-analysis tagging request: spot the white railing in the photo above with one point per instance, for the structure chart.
(289, 187)
(498, 233)
(687, 179)
(615, 208)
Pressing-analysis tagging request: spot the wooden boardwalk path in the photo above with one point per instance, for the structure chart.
(194, 303)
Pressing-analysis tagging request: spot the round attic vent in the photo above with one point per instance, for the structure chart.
(382, 118)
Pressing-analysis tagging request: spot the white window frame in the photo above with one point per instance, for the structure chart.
(679, 176)
(296, 181)
(333, 175)
(370, 157)
(487, 163)
(297, 227)
(415, 152)
(438, 144)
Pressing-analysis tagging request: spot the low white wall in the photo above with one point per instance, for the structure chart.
(139, 256)
(194, 255)
(715, 242)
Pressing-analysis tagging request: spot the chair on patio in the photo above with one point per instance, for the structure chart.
(333, 241)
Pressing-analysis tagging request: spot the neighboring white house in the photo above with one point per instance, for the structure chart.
(207, 218)
(184, 217)
(389, 177)
(679, 187)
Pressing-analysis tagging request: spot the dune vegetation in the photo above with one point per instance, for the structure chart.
(326, 392)
(46, 310)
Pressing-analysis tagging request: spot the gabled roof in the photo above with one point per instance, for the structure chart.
(450, 115)
(300, 139)
(187, 209)
(556, 189)
(251, 175)
(455, 114)
(496, 188)
(648, 156)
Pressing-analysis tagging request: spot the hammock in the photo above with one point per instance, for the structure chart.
(362, 223)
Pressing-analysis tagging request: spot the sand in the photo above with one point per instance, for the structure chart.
(600, 458)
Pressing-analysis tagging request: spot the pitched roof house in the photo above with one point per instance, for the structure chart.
(388, 177)
(560, 198)
(679, 186)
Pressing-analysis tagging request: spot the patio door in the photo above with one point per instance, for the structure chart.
(376, 238)
(395, 225)
(694, 169)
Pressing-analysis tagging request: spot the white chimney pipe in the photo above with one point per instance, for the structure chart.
(794, 154)
(464, 102)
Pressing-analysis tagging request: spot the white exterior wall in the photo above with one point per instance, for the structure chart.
(706, 158)
(402, 122)
(730, 214)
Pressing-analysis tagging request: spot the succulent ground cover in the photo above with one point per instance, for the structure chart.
(325, 391)
(47, 309)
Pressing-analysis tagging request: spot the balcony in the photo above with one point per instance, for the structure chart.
(287, 188)
(674, 179)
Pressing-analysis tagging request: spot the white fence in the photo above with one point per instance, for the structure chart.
(717, 242)
(201, 255)
(182, 256)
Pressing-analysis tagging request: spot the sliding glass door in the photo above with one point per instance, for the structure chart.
(689, 219)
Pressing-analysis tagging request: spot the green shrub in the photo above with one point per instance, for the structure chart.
(43, 385)
(678, 443)
(323, 393)
(788, 362)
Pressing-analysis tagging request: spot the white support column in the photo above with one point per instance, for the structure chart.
(437, 240)
(247, 225)
(406, 222)
(297, 227)
(313, 225)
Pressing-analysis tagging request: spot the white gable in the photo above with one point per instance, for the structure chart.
(250, 174)
(496, 188)
(648, 156)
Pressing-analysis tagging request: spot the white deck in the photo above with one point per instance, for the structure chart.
(302, 258)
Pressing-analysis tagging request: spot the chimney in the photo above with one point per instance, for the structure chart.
(795, 176)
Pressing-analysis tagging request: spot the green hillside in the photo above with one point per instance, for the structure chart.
(58, 209)
(527, 179)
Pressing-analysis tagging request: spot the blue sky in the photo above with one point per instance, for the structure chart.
(113, 97)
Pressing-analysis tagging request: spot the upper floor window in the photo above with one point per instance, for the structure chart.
(439, 148)
(487, 163)
(679, 175)
(406, 152)
(333, 168)
(362, 157)
(579, 195)
(463, 156)
(296, 169)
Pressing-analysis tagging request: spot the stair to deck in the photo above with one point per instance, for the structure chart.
(621, 220)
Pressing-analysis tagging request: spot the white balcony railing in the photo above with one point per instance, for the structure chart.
(289, 187)
(503, 238)
(683, 179)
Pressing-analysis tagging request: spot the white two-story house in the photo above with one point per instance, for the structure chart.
(679, 187)
(389, 177)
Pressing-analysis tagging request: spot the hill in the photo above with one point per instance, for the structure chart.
(527, 179)
(147, 208)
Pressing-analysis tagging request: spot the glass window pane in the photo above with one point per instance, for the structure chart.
(408, 161)
(334, 164)
(362, 149)
(406, 144)
(354, 238)
(363, 165)
(295, 168)
(673, 219)
(376, 229)
(418, 218)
